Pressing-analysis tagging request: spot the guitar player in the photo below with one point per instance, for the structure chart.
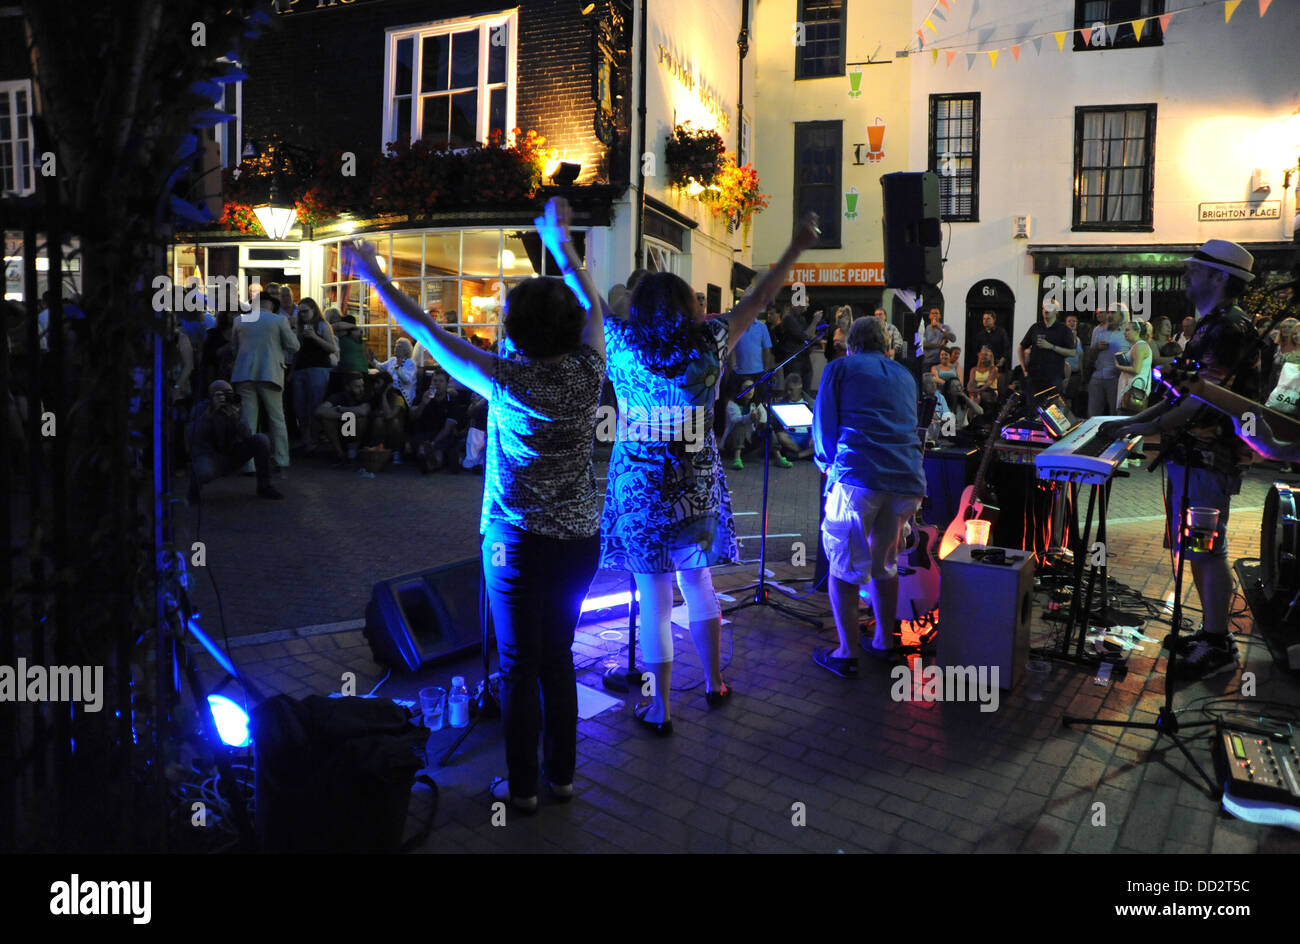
(1206, 450)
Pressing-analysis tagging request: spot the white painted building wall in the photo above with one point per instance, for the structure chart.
(1226, 95)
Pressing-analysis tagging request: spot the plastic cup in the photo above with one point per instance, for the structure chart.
(433, 702)
(1036, 678)
(612, 639)
(977, 532)
(1202, 528)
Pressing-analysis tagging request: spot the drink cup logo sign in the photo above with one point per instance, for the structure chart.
(851, 204)
(855, 84)
(876, 141)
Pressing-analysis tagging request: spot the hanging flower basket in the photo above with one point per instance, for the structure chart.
(693, 155)
(735, 193)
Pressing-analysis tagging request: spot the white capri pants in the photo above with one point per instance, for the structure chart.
(656, 593)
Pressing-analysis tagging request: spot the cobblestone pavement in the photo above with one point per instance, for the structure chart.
(859, 770)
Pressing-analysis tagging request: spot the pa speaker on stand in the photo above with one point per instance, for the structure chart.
(913, 241)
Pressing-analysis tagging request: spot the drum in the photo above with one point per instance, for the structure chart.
(1279, 544)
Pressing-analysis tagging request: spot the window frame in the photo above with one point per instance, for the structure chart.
(974, 215)
(417, 34)
(828, 239)
(11, 88)
(1152, 35)
(801, 12)
(1147, 223)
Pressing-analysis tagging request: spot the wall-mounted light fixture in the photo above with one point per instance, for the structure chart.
(566, 174)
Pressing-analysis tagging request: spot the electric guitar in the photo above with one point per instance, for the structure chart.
(976, 501)
(1183, 379)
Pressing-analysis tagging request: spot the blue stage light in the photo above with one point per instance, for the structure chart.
(232, 721)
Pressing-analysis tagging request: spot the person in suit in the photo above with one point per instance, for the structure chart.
(261, 339)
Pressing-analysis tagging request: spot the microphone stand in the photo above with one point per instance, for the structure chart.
(760, 586)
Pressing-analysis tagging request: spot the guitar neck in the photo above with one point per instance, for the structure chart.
(1235, 405)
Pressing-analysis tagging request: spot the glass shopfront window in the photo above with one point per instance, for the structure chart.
(461, 276)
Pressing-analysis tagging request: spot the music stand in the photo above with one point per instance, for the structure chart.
(761, 597)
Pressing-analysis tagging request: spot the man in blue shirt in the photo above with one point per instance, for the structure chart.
(865, 440)
(752, 354)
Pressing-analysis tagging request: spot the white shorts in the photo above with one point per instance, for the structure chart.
(863, 531)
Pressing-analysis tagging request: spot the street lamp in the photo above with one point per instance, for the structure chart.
(276, 218)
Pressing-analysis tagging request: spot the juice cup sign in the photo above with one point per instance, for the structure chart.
(851, 204)
(876, 141)
(855, 84)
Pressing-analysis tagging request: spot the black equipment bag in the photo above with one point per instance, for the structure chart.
(335, 775)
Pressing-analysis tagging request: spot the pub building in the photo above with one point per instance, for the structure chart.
(337, 82)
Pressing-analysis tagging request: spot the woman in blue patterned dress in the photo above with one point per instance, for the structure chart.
(667, 509)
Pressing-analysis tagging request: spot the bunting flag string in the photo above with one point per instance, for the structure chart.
(1100, 34)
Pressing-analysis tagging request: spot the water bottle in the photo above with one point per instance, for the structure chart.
(458, 703)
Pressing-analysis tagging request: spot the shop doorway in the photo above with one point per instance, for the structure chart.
(992, 296)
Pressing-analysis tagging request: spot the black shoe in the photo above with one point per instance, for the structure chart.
(269, 491)
(843, 667)
(719, 698)
(661, 728)
(1208, 657)
(500, 790)
(1187, 641)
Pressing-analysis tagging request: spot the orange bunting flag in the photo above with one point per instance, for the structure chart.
(951, 56)
(1015, 52)
(945, 4)
(920, 36)
(1164, 23)
(1230, 8)
(1263, 6)
(1060, 40)
(993, 58)
(1086, 33)
(1137, 29)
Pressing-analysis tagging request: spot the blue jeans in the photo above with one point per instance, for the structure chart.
(309, 385)
(535, 587)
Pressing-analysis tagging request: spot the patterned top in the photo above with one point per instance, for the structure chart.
(405, 377)
(541, 430)
(666, 501)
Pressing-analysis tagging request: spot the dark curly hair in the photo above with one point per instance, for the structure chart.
(661, 324)
(544, 318)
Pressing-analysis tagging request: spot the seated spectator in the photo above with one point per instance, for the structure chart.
(345, 418)
(930, 394)
(401, 368)
(389, 415)
(795, 444)
(439, 423)
(982, 384)
(944, 369)
(746, 424)
(221, 444)
(476, 436)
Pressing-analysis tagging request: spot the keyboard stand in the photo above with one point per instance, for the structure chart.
(1081, 615)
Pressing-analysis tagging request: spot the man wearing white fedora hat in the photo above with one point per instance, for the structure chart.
(1206, 453)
